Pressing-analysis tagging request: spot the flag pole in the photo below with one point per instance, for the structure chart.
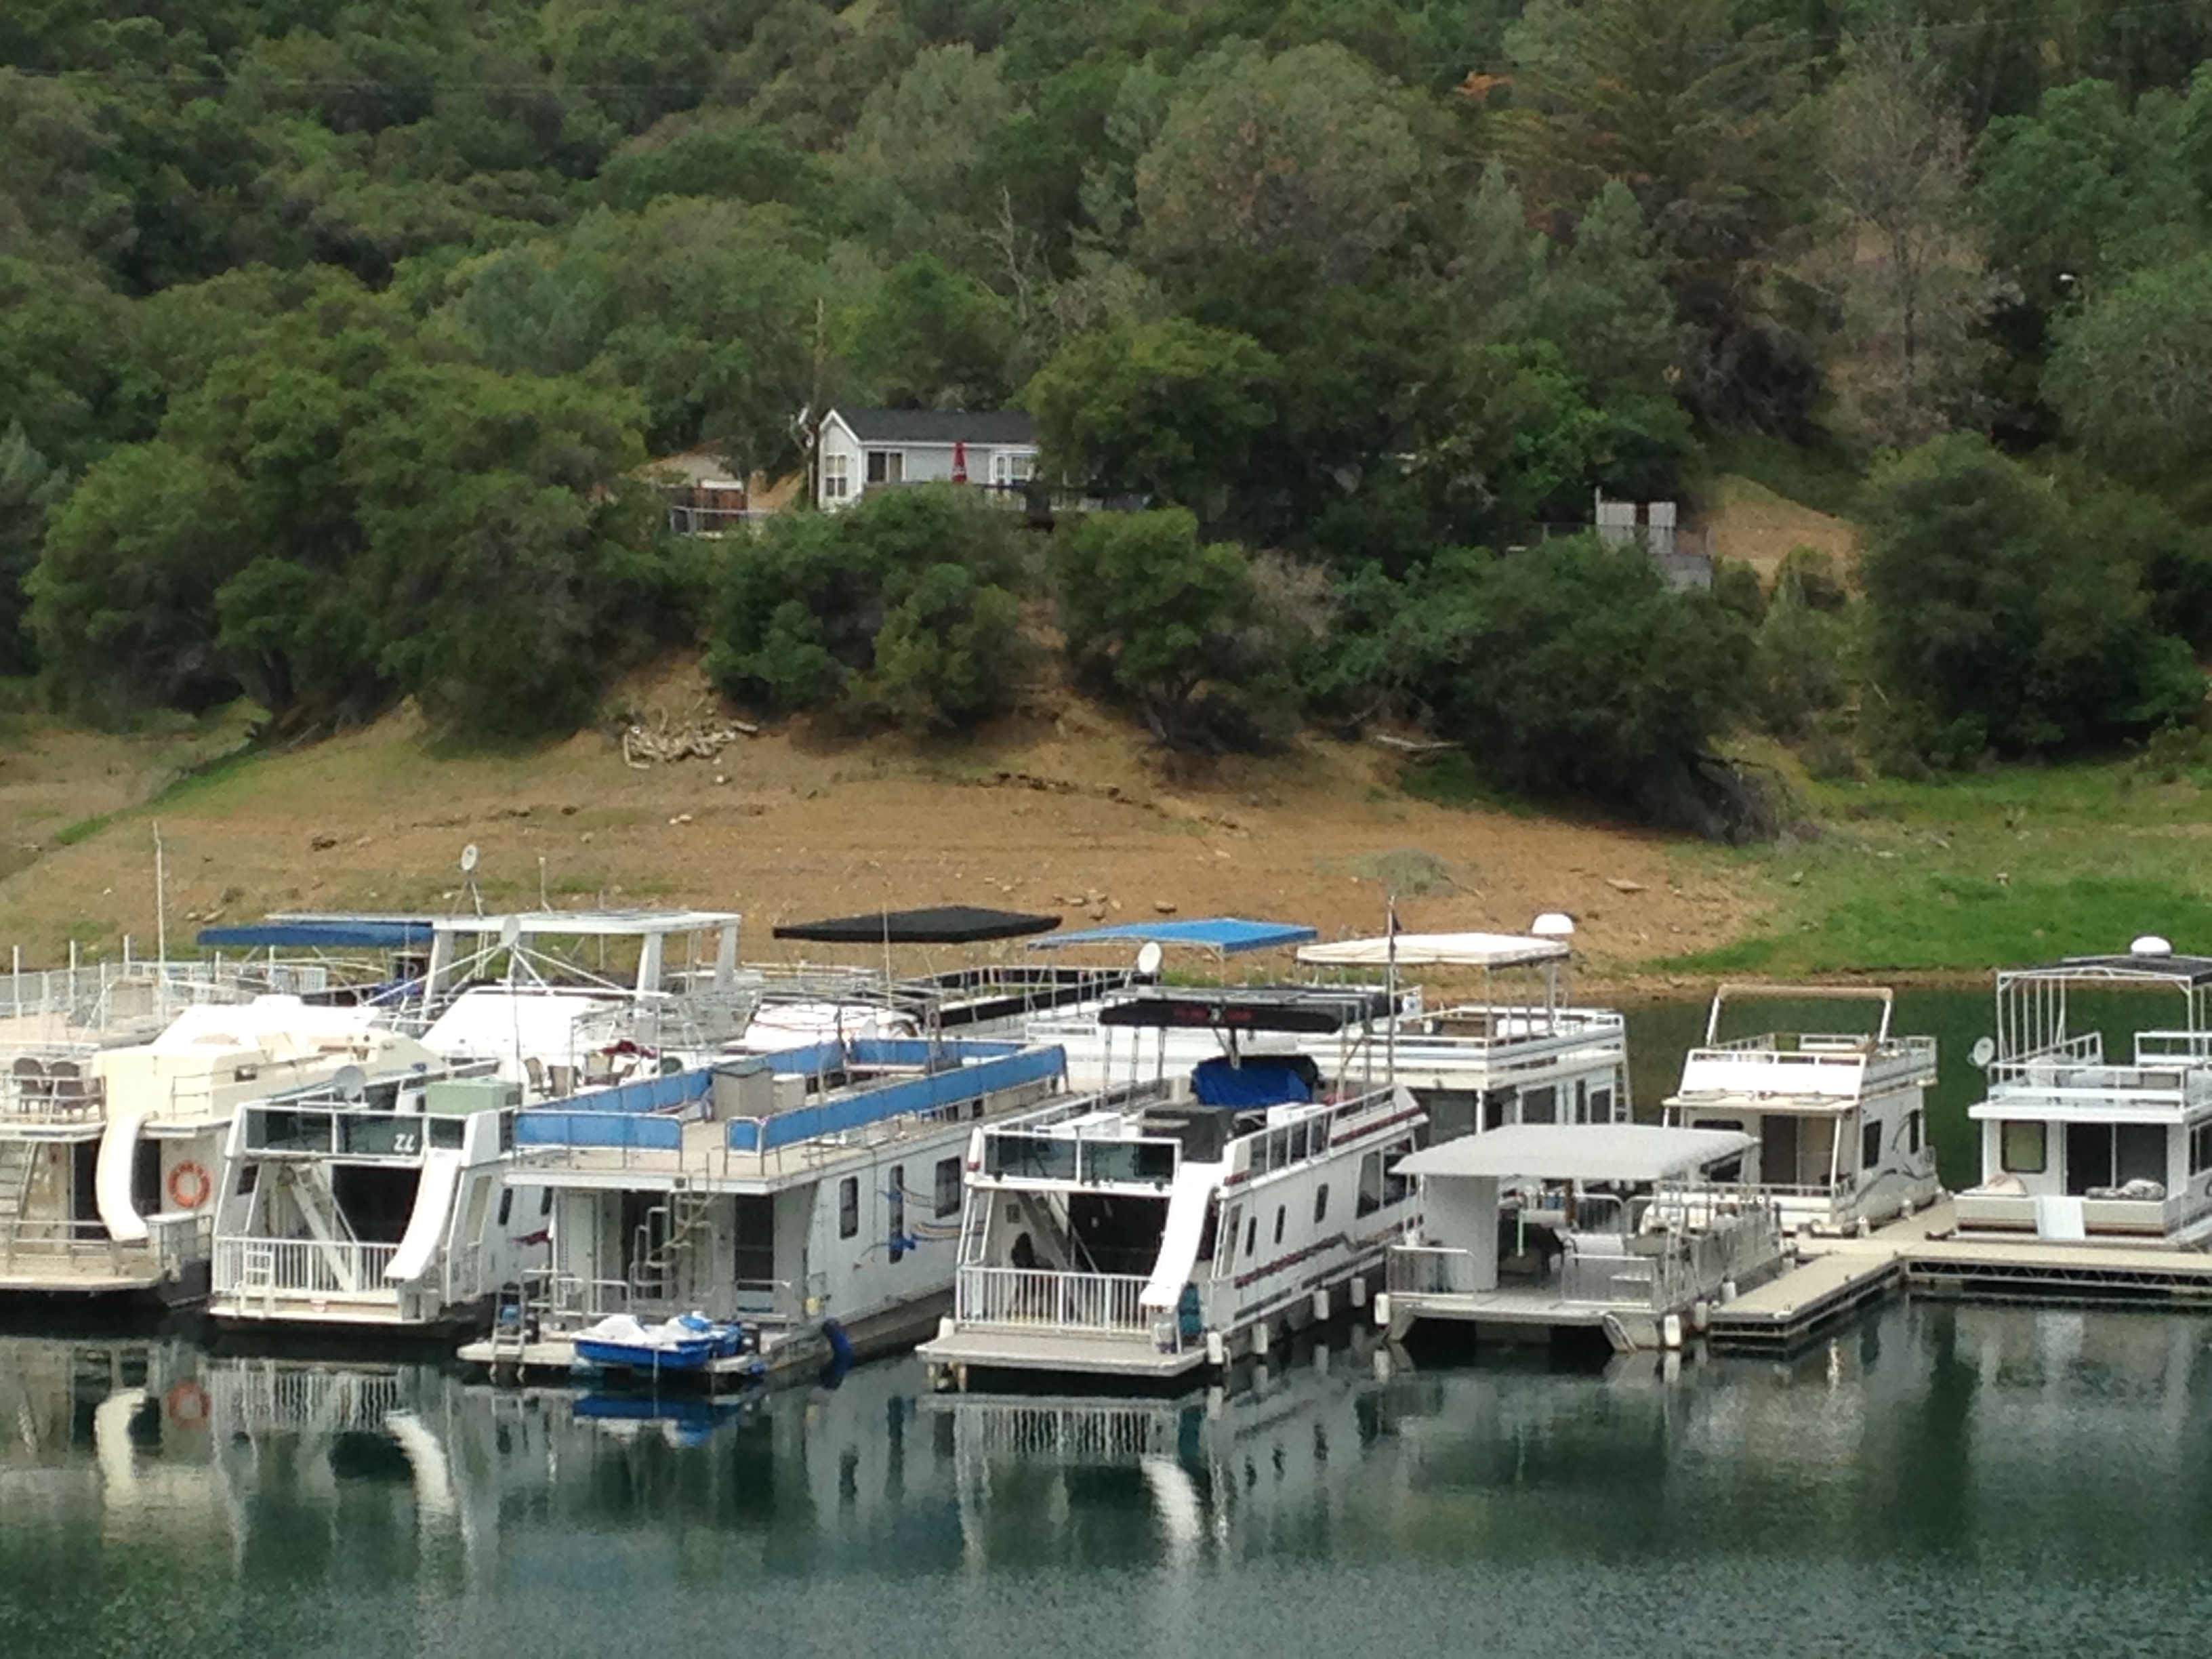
(1390, 984)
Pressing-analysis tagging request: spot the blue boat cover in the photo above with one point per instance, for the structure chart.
(1256, 1083)
(362, 935)
(1229, 935)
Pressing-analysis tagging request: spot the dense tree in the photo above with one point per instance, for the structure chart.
(2132, 376)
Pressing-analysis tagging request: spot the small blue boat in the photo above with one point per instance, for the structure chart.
(689, 1342)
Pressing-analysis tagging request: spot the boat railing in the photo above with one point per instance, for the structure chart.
(1042, 1298)
(2171, 1048)
(1429, 1270)
(247, 1268)
(1074, 1433)
(2087, 1049)
(252, 1397)
(2084, 1090)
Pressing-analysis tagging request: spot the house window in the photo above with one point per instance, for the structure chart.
(1870, 1145)
(896, 1202)
(948, 1186)
(1321, 1204)
(836, 475)
(1010, 467)
(2021, 1148)
(886, 466)
(849, 1206)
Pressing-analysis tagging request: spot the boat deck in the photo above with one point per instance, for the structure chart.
(1062, 1353)
(1833, 1277)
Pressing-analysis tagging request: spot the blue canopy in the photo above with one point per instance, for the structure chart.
(1230, 935)
(349, 935)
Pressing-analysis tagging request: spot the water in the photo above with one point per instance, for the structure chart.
(1945, 1477)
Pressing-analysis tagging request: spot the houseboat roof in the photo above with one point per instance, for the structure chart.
(1306, 1008)
(334, 933)
(942, 924)
(1437, 950)
(2161, 969)
(940, 426)
(1590, 1151)
(1227, 936)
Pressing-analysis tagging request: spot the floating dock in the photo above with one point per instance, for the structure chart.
(1834, 1277)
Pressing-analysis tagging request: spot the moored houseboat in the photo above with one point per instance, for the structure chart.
(1840, 1116)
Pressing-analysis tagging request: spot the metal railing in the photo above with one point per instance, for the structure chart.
(248, 1267)
(1052, 1301)
(1429, 1270)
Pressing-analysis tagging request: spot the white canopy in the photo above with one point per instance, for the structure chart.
(1437, 950)
(1570, 1151)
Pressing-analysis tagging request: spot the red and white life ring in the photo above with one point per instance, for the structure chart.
(187, 1405)
(189, 1186)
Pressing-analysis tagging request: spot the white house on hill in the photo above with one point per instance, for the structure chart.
(866, 449)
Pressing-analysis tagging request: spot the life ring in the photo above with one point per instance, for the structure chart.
(189, 1186)
(187, 1405)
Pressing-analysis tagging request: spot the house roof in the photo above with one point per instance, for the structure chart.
(939, 426)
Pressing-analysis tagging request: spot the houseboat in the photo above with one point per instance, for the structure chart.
(1519, 1051)
(810, 1196)
(2082, 1149)
(111, 1156)
(372, 1200)
(1623, 1229)
(1148, 1230)
(1840, 1117)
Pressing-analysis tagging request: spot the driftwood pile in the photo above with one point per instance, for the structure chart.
(646, 747)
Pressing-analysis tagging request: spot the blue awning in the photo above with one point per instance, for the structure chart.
(360, 935)
(1230, 935)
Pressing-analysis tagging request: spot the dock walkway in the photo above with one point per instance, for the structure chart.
(1834, 1277)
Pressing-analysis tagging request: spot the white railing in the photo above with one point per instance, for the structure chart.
(1052, 1301)
(1428, 1270)
(291, 1267)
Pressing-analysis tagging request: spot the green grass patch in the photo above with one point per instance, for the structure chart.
(83, 830)
(1826, 480)
(1451, 780)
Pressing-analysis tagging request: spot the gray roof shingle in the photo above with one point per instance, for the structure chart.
(940, 426)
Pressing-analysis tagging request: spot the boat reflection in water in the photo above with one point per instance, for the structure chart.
(1920, 1475)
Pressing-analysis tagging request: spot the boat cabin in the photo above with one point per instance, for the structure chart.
(2076, 1146)
(1840, 1117)
(1164, 1225)
(1538, 1229)
(371, 1200)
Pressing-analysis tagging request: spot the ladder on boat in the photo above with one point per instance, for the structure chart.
(18, 1167)
(653, 1270)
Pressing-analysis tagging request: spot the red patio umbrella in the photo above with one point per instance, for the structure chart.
(959, 462)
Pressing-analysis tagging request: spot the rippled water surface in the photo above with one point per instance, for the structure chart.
(1949, 1477)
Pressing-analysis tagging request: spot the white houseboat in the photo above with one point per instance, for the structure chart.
(371, 1201)
(810, 1195)
(1840, 1117)
(110, 1157)
(2079, 1148)
(1148, 1230)
(1539, 1228)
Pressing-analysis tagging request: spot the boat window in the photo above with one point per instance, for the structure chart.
(1600, 1106)
(1031, 1158)
(1912, 1133)
(1321, 1204)
(1278, 1223)
(849, 1206)
(544, 1201)
(1539, 1105)
(1396, 1188)
(1498, 1108)
(2021, 1148)
(895, 1199)
(1251, 1236)
(506, 1203)
(1136, 1162)
(1369, 1199)
(249, 1175)
(1870, 1145)
(2200, 1149)
(1227, 1252)
(1582, 1100)
(948, 1187)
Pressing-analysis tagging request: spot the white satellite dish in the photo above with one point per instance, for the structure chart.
(510, 932)
(1552, 924)
(1149, 957)
(2151, 944)
(1984, 1051)
(350, 1083)
(469, 858)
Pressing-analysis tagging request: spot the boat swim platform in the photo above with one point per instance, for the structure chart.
(1834, 1278)
(1055, 1354)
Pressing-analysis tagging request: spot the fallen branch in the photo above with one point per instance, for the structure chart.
(643, 748)
(1411, 746)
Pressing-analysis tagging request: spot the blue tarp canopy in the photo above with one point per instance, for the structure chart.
(1256, 1083)
(1229, 935)
(362, 935)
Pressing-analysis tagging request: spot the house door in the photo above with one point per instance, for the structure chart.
(2089, 1157)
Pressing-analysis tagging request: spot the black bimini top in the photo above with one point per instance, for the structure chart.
(2192, 971)
(1297, 1008)
(943, 924)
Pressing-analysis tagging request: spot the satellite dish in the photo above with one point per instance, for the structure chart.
(2151, 944)
(1149, 957)
(510, 931)
(350, 1083)
(1982, 1053)
(469, 858)
(1552, 924)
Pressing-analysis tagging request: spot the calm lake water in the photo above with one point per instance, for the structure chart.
(1939, 1477)
(1943, 1478)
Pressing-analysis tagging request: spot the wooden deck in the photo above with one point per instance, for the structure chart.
(987, 1348)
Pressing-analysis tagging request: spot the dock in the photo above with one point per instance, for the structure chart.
(1832, 1278)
